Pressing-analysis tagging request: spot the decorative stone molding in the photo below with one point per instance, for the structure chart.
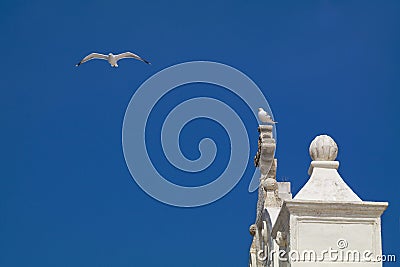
(268, 191)
(268, 197)
(270, 186)
(281, 239)
(266, 149)
(360, 209)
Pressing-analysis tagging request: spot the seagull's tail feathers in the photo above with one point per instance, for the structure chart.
(145, 61)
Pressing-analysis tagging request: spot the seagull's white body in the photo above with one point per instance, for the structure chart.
(111, 58)
(264, 117)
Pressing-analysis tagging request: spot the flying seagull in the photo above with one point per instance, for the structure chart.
(264, 117)
(111, 58)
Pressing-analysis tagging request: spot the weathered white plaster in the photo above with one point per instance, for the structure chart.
(284, 191)
(319, 225)
(326, 184)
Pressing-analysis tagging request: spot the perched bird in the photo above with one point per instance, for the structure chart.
(264, 117)
(111, 58)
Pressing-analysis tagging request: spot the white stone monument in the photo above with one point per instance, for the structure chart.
(325, 224)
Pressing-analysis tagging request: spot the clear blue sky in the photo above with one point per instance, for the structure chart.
(66, 195)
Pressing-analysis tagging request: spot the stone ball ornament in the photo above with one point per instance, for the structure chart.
(253, 229)
(323, 148)
(269, 184)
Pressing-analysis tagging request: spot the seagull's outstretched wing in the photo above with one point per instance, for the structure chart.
(130, 55)
(92, 56)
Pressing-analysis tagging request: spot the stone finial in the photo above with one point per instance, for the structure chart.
(253, 229)
(323, 148)
(269, 184)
